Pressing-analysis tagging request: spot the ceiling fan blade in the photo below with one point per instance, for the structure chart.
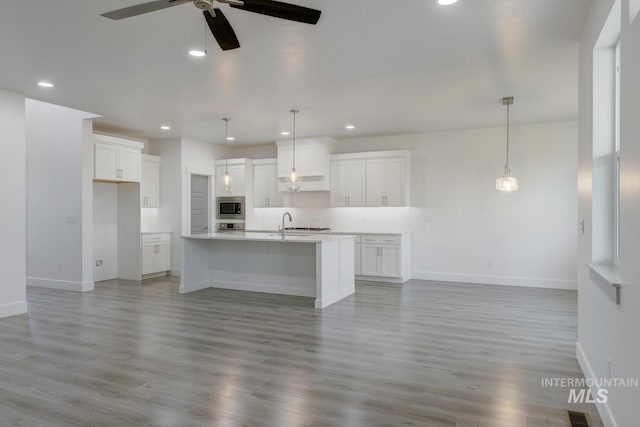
(221, 29)
(278, 9)
(139, 9)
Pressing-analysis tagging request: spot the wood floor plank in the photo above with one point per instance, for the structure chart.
(422, 354)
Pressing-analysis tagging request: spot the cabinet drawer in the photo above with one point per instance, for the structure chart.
(156, 237)
(393, 239)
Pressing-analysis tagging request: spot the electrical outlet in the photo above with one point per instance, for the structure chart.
(581, 225)
(99, 263)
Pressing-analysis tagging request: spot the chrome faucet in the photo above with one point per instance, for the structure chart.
(283, 230)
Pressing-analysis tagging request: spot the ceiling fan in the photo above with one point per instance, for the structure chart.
(217, 22)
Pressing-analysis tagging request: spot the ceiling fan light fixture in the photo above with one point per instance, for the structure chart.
(197, 53)
(47, 85)
(446, 2)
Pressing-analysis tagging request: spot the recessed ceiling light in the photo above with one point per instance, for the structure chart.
(45, 84)
(197, 53)
(349, 127)
(231, 138)
(284, 133)
(165, 127)
(446, 2)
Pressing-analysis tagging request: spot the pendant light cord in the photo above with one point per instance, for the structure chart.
(507, 171)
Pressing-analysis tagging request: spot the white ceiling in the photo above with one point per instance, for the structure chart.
(386, 66)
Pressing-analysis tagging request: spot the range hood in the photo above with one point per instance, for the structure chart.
(312, 162)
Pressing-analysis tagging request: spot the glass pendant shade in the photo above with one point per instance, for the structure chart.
(507, 183)
(293, 175)
(227, 181)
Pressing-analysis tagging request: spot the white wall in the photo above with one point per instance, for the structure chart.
(462, 228)
(607, 331)
(180, 157)
(105, 230)
(12, 213)
(59, 205)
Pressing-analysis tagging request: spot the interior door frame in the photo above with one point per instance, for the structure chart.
(211, 176)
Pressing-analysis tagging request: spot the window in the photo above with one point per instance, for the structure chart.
(607, 162)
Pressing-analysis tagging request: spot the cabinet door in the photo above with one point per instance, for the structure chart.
(237, 180)
(375, 174)
(395, 182)
(390, 261)
(370, 260)
(275, 197)
(337, 193)
(354, 176)
(357, 269)
(261, 177)
(150, 186)
(162, 259)
(129, 162)
(105, 162)
(220, 190)
(148, 258)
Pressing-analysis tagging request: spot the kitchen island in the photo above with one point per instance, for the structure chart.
(316, 266)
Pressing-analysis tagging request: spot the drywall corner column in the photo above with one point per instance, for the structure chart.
(87, 204)
(13, 196)
(59, 197)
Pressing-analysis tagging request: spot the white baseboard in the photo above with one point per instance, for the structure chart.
(62, 285)
(13, 309)
(603, 408)
(530, 282)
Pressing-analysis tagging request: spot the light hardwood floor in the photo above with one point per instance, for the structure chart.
(422, 354)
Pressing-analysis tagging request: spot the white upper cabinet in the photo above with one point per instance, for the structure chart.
(265, 184)
(374, 179)
(348, 183)
(387, 182)
(241, 172)
(312, 162)
(116, 159)
(150, 185)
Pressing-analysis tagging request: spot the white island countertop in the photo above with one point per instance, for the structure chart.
(270, 237)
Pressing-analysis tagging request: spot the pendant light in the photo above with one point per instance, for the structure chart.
(507, 182)
(227, 175)
(293, 176)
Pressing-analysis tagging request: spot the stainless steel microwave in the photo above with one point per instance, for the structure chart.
(230, 207)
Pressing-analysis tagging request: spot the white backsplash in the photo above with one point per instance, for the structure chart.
(313, 210)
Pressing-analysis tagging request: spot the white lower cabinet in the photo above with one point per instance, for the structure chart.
(156, 253)
(383, 256)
